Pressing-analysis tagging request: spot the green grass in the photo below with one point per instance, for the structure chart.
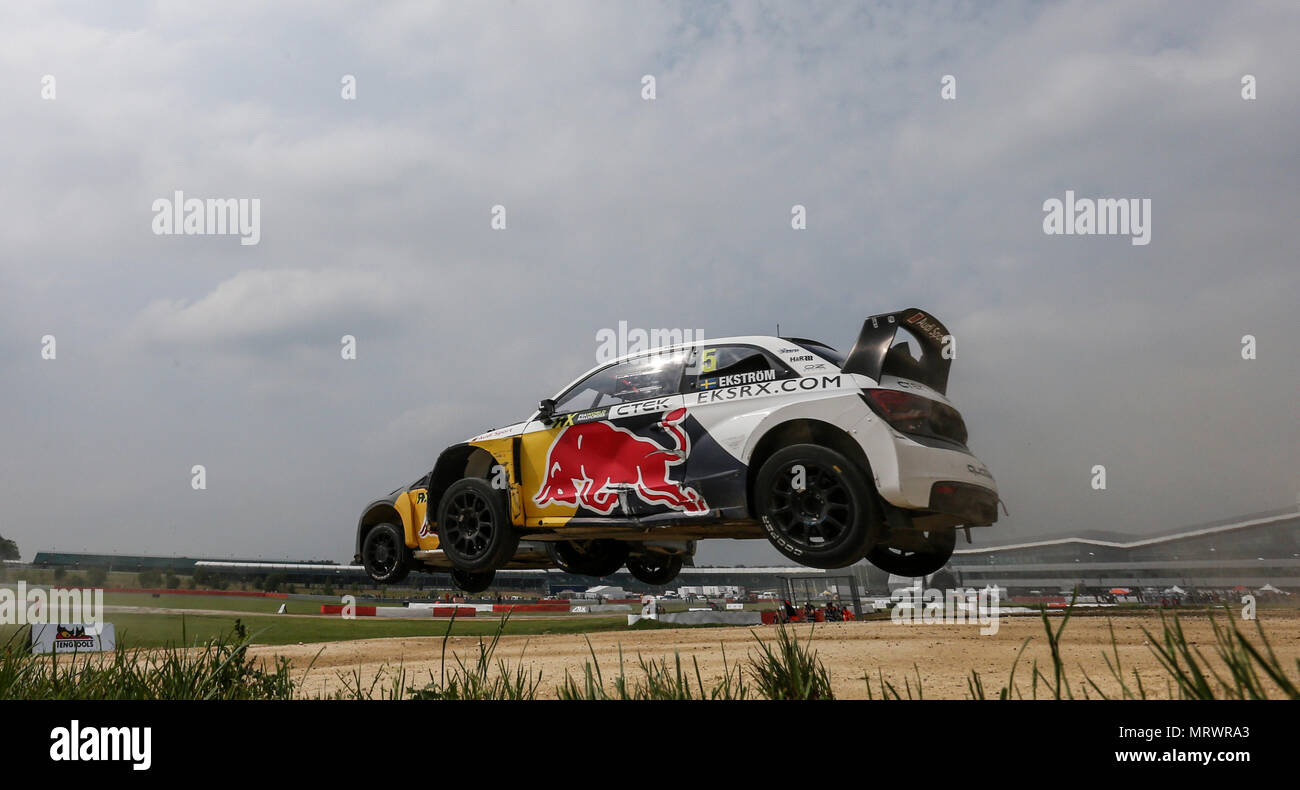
(1244, 667)
(158, 630)
(218, 669)
(658, 681)
(787, 669)
(227, 603)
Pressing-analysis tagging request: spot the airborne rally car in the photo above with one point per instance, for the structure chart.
(831, 457)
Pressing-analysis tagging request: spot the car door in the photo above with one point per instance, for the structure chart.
(614, 449)
(729, 390)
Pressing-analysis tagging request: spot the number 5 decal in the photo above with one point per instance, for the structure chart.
(709, 360)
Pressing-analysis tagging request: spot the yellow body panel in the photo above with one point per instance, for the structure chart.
(418, 502)
(403, 507)
(502, 451)
(533, 460)
(417, 511)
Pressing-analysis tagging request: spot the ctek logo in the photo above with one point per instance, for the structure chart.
(97, 744)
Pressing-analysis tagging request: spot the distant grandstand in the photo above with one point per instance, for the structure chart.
(125, 563)
(1250, 551)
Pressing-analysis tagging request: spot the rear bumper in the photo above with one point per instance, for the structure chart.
(911, 476)
(976, 506)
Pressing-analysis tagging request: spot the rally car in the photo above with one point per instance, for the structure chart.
(832, 457)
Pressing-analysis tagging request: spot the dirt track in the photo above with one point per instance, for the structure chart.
(943, 655)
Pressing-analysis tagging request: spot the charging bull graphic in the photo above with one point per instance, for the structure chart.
(589, 463)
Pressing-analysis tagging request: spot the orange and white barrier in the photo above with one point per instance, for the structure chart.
(400, 611)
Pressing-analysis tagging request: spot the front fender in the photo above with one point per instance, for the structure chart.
(390, 509)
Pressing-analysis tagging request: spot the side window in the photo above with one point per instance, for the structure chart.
(730, 366)
(652, 376)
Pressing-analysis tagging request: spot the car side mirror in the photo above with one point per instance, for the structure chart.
(545, 410)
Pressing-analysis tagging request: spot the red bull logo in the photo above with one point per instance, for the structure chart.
(590, 463)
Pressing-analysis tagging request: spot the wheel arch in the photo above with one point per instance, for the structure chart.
(804, 430)
(381, 511)
(456, 462)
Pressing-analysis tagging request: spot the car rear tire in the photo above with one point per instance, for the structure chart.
(657, 569)
(384, 554)
(831, 522)
(472, 582)
(598, 558)
(937, 548)
(474, 527)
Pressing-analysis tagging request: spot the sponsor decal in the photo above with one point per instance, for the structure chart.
(802, 358)
(815, 366)
(926, 326)
(426, 529)
(736, 379)
(805, 384)
(73, 638)
(652, 406)
(495, 433)
(979, 470)
(789, 350)
(589, 464)
(776, 537)
(579, 417)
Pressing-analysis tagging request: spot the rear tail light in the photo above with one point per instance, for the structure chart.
(912, 414)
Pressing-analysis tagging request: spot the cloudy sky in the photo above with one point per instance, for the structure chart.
(375, 222)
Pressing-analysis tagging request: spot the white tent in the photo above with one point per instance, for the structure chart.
(606, 591)
(1175, 590)
(1268, 588)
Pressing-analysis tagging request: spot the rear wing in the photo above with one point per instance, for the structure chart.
(871, 355)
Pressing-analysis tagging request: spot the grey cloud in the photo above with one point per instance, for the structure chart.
(673, 213)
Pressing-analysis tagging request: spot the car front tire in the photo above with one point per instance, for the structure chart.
(474, 527)
(384, 554)
(829, 522)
